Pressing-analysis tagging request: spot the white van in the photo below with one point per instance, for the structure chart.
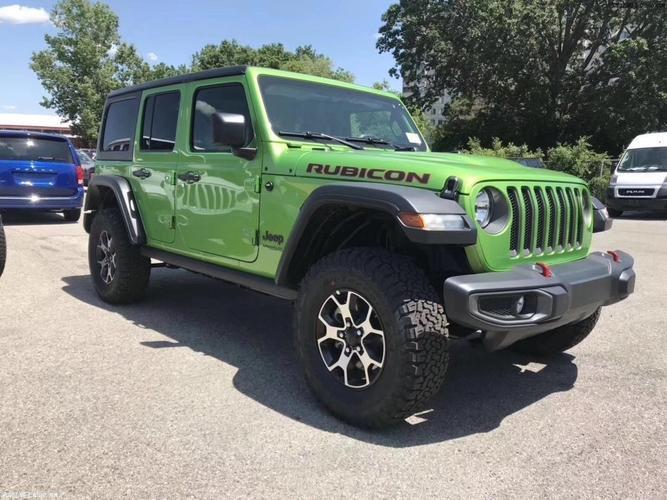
(640, 180)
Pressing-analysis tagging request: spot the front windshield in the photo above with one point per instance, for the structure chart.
(301, 107)
(644, 160)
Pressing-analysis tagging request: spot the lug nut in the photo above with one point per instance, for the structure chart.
(358, 349)
(358, 333)
(340, 335)
(347, 350)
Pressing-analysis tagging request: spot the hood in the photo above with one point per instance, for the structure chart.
(428, 170)
(640, 178)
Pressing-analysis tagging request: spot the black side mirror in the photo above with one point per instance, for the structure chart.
(229, 129)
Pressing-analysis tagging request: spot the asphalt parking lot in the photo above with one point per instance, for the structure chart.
(196, 393)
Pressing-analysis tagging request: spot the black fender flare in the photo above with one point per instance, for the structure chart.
(388, 198)
(124, 199)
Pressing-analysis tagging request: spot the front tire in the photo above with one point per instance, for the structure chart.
(120, 273)
(371, 334)
(558, 340)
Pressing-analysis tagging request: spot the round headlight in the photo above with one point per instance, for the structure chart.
(483, 208)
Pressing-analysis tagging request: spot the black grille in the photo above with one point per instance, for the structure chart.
(545, 219)
(514, 230)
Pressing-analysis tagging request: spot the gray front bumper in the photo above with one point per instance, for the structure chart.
(488, 301)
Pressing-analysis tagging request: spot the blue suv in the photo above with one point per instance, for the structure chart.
(40, 172)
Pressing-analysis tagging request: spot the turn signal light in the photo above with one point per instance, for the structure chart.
(433, 222)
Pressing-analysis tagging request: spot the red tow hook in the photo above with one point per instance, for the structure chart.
(615, 255)
(545, 269)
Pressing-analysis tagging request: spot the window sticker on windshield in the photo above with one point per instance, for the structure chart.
(413, 138)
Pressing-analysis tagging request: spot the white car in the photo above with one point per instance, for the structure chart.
(640, 179)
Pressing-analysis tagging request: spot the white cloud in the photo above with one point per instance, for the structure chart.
(8, 107)
(20, 14)
(152, 57)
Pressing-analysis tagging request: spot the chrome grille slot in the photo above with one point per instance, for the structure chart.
(545, 220)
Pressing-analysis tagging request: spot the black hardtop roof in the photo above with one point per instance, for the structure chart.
(188, 77)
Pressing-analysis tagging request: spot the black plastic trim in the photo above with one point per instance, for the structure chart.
(576, 290)
(388, 198)
(125, 200)
(241, 278)
(189, 77)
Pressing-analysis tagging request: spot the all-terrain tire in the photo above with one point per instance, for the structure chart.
(614, 212)
(132, 270)
(3, 248)
(415, 335)
(72, 215)
(558, 340)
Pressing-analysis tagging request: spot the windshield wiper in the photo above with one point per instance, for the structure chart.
(375, 140)
(319, 135)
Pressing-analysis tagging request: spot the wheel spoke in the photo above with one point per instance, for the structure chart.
(368, 361)
(344, 308)
(331, 332)
(342, 363)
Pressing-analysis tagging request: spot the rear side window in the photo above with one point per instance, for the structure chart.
(119, 126)
(159, 122)
(33, 149)
(210, 100)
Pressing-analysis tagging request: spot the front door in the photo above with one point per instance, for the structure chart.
(153, 172)
(217, 192)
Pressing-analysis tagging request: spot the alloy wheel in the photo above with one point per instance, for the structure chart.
(351, 339)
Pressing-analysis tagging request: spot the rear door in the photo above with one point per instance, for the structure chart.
(155, 161)
(34, 165)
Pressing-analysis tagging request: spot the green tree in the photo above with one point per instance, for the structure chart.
(303, 60)
(83, 62)
(535, 72)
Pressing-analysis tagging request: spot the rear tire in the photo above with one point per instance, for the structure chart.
(72, 215)
(3, 248)
(398, 361)
(558, 340)
(119, 271)
(614, 212)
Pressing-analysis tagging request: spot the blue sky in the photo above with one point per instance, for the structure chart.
(172, 30)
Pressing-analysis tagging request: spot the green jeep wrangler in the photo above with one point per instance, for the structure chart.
(325, 194)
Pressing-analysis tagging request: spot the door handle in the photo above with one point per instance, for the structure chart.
(190, 177)
(142, 173)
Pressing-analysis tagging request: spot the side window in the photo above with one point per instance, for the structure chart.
(119, 125)
(210, 100)
(159, 122)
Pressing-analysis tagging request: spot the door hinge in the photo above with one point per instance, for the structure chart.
(172, 224)
(255, 238)
(258, 184)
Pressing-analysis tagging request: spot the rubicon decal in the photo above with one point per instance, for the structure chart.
(377, 174)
